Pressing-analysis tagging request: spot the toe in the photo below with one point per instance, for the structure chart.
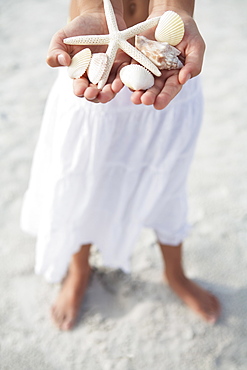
(53, 313)
(68, 322)
(57, 317)
(216, 307)
(212, 309)
(204, 311)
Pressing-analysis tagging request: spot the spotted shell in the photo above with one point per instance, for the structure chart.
(79, 63)
(163, 55)
(136, 77)
(97, 67)
(170, 28)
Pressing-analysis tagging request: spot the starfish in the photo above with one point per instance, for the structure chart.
(117, 39)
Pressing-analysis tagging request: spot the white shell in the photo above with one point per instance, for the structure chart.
(163, 55)
(79, 63)
(97, 67)
(170, 28)
(136, 77)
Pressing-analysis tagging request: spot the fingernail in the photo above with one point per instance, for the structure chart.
(188, 77)
(91, 98)
(61, 60)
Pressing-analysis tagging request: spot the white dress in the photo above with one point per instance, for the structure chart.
(101, 172)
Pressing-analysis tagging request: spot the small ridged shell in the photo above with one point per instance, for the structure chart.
(163, 55)
(170, 28)
(136, 77)
(97, 67)
(79, 63)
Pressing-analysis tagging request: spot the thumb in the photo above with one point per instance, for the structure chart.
(57, 53)
(193, 63)
(192, 68)
(185, 74)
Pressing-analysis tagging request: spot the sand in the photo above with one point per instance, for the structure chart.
(128, 321)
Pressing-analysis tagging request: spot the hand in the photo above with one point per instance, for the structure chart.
(167, 86)
(60, 54)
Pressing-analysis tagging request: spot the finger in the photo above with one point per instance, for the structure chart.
(149, 96)
(106, 94)
(136, 97)
(94, 100)
(91, 93)
(80, 85)
(58, 52)
(117, 84)
(170, 90)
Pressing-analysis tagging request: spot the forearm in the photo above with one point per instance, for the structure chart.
(180, 6)
(78, 7)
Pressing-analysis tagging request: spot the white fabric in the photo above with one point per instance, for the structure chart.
(103, 171)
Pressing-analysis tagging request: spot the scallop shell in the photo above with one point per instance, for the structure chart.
(79, 63)
(136, 77)
(170, 28)
(97, 67)
(163, 55)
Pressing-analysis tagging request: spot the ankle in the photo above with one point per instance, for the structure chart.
(175, 273)
(79, 270)
(80, 261)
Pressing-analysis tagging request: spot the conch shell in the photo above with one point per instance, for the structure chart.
(170, 28)
(79, 63)
(163, 55)
(136, 77)
(97, 67)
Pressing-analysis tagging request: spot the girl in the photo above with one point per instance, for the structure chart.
(103, 171)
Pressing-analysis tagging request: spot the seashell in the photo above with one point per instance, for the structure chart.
(97, 67)
(170, 28)
(136, 77)
(79, 63)
(163, 55)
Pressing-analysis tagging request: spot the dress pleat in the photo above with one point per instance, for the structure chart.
(102, 172)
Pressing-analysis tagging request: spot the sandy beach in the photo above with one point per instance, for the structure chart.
(128, 322)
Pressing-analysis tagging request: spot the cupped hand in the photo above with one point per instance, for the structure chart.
(168, 85)
(60, 54)
(165, 88)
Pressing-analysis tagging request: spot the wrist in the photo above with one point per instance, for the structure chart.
(184, 8)
(157, 12)
(84, 7)
(97, 6)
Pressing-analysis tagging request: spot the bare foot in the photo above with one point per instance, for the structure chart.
(198, 299)
(66, 307)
